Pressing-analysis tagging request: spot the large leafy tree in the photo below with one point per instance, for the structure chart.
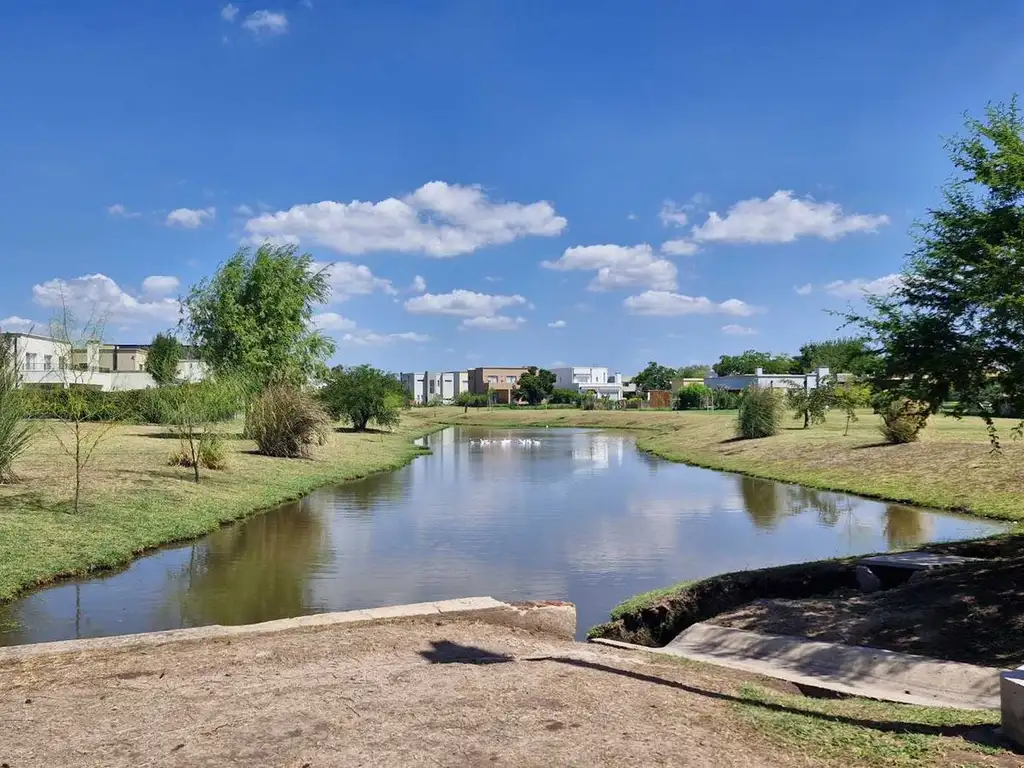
(698, 371)
(751, 360)
(954, 323)
(253, 317)
(849, 355)
(654, 376)
(361, 394)
(535, 385)
(163, 358)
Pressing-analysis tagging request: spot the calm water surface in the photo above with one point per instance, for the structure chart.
(524, 514)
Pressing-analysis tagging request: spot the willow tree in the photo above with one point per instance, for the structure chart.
(253, 319)
(953, 326)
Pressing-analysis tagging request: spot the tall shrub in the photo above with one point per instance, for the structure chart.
(15, 432)
(163, 358)
(761, 413)
(902, 418)
(287, 422)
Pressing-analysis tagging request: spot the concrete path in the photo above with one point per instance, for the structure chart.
(916, 561)
(867, 672)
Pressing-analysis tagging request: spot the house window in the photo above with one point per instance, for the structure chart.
(431, 386)
(510, 379)
(492, 379)
(47, 362)
(30, 361)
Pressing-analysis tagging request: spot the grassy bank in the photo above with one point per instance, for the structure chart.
(134, 501)
(951, 467)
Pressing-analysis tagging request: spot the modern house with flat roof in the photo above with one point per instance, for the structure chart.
(425, 386)
(496, 382)
(769, 381)
(45, 361)
(596, 380)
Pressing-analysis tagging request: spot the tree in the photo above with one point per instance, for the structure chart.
(15, 431)
(699, 371)
(361, 394)
(253, 319)
(162, 359)
(849, 355)
(654, 376)
(535, 385)
(81, 420)
(849, 398)
(954, 321)
(748, 362)
(812, 404)
(193, 411)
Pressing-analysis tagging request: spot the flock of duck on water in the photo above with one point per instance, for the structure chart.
(506, 442)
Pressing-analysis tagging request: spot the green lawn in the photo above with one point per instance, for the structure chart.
(134, 501)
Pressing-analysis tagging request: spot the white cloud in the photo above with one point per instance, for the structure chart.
(364, 338)
(461, 303)
(438, 219)
(618, 266)
(783, 218)
(190, 218)
(859, 287)
(266, 23)
(672, 215)
(229, 12)
(117, 209)
(419, 285)
(668, 304)
(347, 279)
(679, 248)
(15, 324)
(160, 285)
(332, 321)
(739, 330)
(243, 210)
(496, 323)
(631, 217)
(804, 290)
(558, 324)
(91, 295)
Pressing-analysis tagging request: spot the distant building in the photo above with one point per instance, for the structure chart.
(495, 382)
(45, 361)
(426, 386)
(770, 381)
(596, 380)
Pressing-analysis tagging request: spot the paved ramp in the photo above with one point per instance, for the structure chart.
(856, 670)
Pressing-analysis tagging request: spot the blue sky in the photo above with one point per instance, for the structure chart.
(657, 179)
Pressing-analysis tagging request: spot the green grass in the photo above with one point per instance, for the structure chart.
(133, 501)
(869, 733)
(645, 599)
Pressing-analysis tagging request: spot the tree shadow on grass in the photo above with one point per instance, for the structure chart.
(447, 652)
(879, 444)
(367, 431)
(174, 436)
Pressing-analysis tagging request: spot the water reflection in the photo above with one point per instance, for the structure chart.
(565, 514)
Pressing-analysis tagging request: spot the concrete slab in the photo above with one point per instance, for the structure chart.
(555, 618)
(916, 561)
(1011, 691)
(869, 672)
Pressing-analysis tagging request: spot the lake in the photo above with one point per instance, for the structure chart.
(577, 515)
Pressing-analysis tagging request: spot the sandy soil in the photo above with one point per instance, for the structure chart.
(411, 693)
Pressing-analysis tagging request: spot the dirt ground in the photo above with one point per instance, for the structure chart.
(972, 613)
(413, 693)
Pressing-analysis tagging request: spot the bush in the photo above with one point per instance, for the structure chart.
(15, 432)
(696, 396)
(761, 413)
(287, 422)
(902, 419)
(361, 394)
(565, 397)
(212, 454)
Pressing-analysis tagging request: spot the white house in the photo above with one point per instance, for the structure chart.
(588, 378)
(768, 381)
(42, 360)
(425, 386)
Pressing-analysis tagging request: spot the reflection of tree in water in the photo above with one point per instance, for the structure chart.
(366, 494)
(824, 504)
(251, 572)
(904, 526)
(761, 501)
